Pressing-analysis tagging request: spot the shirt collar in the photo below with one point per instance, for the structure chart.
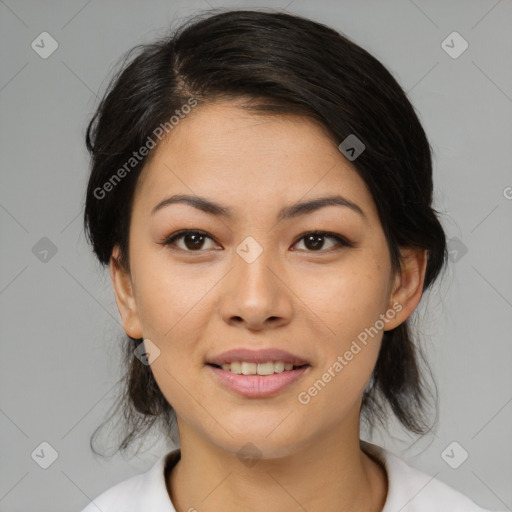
(156, 498)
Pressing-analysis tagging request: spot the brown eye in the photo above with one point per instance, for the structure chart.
(196, 241)
(192, 240)
(316, 240)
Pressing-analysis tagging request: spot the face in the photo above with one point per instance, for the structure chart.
(250, 274)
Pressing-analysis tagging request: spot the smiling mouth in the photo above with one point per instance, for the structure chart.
(261, 369)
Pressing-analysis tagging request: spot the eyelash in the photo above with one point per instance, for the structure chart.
(169, 241)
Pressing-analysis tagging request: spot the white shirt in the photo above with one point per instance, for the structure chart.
(409, 489)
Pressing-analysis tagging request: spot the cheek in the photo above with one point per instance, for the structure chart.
(174, 308)
(171, 299)
(350, 304)
(348, 300)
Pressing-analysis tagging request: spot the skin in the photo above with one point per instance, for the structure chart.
(313, 303)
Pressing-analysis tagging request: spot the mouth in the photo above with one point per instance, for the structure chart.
(257, 380)
(261, 369)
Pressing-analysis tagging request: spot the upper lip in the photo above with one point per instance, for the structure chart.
(256, 356)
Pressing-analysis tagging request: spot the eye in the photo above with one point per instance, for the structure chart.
(194, 240)
(315, 241)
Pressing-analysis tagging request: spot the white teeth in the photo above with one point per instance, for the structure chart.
(246, 368)
(279, 367)
(235, 367)
(249, 368)
(265, 368)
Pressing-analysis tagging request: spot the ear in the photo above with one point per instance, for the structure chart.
(407, 286)
(125, 299)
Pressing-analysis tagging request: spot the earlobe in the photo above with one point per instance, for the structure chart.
(408, 284)
(124, 295)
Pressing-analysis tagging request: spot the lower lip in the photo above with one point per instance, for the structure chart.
(258, 386)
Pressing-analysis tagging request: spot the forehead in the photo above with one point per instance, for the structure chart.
(241, 157)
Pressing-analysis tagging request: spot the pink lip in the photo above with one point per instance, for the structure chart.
(256, 356)
(257, 386)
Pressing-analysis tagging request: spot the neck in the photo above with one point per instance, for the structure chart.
(330, 474)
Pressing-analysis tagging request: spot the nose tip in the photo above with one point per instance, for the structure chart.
(255, 296)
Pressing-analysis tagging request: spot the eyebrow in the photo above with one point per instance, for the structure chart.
(288, 212)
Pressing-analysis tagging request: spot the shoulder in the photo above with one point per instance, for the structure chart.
(412, 490)
(146, 491)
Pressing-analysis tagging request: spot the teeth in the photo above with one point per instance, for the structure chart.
(235, 367)
(249, 368)
(278, 367)
(265, 368)
(268, 368)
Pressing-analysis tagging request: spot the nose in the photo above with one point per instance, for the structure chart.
(255, 295)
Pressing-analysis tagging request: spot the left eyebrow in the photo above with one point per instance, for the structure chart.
(315, 204)
(288, 212)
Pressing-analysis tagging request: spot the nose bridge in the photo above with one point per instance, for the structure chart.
(255, 292)
(253, 262)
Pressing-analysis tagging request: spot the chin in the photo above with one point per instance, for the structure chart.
(271, 439)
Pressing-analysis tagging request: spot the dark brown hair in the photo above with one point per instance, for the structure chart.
(288, 64)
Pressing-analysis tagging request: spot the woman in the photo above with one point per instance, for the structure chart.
(261, 188)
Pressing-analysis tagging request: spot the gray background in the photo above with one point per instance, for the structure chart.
(59, 323)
